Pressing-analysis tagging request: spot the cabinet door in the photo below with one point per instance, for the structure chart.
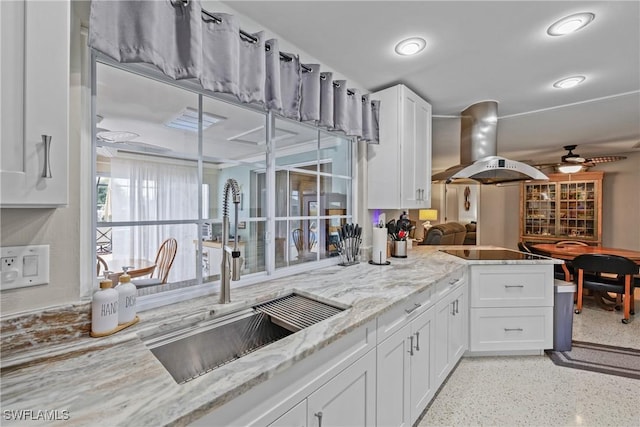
(349, 399)
(34, 83)
(393, 379)
(458, 337)
(294, 417)
(422, 382)
(451, 334)
(415, 149)
(444, 310)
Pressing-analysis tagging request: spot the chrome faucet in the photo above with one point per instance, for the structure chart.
(231, 260)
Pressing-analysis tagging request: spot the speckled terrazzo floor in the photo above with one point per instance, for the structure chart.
(532, 391)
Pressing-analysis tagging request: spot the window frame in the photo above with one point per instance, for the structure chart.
(206, 288)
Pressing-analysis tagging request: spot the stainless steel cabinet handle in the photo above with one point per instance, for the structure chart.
(319, 417)
(451, 282)
(411, 310)
(410, 351)
(513, 329)
(417, 334)
(514, 286)
(46, 170)
(457, 306)
(453, 308)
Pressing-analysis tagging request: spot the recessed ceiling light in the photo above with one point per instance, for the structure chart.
(410, 46)
(569, 82)
(570, 23)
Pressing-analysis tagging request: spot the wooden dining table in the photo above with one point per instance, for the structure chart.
(138, 267)
(569, 252)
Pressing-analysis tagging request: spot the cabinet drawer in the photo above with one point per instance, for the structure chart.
(512, 286)
(394, 319)
(446, 285)
(501, 329)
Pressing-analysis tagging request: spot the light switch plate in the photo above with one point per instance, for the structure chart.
(22, 266)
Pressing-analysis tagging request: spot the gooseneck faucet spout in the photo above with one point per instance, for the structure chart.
(231, 261)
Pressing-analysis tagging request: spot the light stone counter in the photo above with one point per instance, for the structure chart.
(116, 380)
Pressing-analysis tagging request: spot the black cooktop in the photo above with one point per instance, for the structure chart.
(491, 254)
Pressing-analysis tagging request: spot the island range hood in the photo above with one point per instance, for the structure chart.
(478, 149)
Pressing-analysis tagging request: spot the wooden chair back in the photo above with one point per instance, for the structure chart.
(606, 273)
(164, 259)
(101, 265)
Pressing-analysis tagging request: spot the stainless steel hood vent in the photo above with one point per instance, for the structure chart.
(478, 148)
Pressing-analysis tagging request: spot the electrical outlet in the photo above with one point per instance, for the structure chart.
(8, 263)
(22, 266)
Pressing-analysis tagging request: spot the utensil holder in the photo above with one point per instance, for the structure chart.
(399, 249)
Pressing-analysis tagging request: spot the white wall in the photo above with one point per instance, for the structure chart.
(621, 203)
(500, 208)
(59, 228)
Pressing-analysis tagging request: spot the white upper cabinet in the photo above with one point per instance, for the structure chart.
(34, 88)
(400, 166)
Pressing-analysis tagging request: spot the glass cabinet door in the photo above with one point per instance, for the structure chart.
(540, 209)
(577, 210)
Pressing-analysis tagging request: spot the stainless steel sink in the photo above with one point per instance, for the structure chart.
(190, 352)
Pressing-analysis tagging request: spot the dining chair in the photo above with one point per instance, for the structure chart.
(590, 268)
(524, 248)
(101, 265)
(164, 260)
(560, 271)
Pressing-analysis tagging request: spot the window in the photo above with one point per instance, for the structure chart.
(164, 152)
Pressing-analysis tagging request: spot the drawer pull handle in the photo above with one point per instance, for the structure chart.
(417, 334)
(410, 351)
(513, 329)
(46, 170)
(319, 417)
(514, 286)
(411, 310)
(451, 282)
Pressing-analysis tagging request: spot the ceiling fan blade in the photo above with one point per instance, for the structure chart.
(605, 159)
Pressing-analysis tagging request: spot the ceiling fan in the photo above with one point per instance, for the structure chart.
(574, 162)
(126, 139)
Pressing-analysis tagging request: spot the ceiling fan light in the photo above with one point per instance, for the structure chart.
(569, 168)
(116, 136)
(570, 24)
(410, 46)
(569, 82)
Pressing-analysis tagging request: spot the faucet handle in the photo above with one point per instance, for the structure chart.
(237, 265)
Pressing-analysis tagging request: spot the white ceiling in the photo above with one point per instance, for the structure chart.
(480, 50)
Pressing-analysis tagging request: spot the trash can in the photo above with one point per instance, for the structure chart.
(563, 315)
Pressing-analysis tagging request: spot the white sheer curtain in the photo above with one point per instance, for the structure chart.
(144, 191)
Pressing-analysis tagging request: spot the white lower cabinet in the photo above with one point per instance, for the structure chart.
(405, 380)
(294, 417)
(384, 373)
(511, 308)
(349, 399)
(451, 331)
(346, 400)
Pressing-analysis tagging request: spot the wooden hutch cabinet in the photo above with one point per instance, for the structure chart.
(566, 207)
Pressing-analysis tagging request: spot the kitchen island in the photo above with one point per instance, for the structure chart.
(116, 380)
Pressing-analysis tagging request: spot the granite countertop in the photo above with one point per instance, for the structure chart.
(116, 380)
